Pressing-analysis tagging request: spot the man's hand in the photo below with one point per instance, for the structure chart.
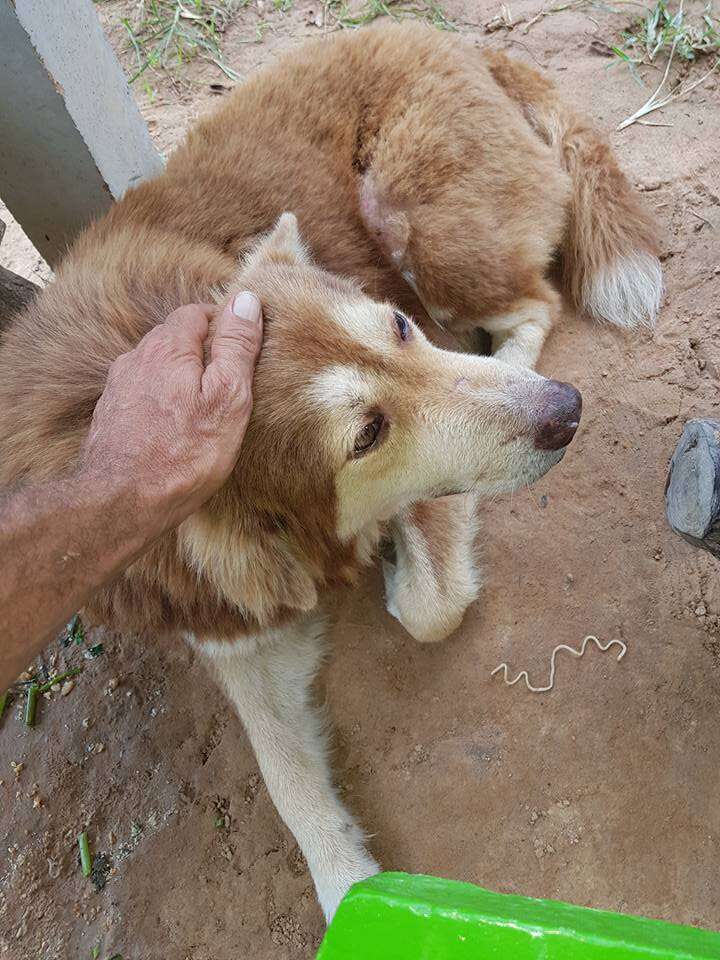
(167, 426)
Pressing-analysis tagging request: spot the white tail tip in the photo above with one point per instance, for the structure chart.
(627, 293)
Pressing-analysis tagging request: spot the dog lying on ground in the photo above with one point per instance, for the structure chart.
(425, 179)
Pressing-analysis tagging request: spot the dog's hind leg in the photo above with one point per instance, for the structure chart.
(470, 209)
(269, 680)
(434, 577)
(463, 280)
(519, 333)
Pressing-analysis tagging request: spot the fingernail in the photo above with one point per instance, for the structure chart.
(246, 306)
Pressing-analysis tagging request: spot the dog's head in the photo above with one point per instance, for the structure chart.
(357, 414)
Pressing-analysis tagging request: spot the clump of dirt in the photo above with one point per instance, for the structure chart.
(602, 792)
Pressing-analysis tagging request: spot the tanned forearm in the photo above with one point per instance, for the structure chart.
(165, 436)
(63, 541)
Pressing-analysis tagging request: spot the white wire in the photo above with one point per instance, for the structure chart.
(561, 646)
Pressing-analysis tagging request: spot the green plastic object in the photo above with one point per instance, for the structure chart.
(395, 916)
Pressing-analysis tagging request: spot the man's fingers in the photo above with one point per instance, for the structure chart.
(193, 316)
(189, 325)
(238, 332)
(235, 345)
(183, 334)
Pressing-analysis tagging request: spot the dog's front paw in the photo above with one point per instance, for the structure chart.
(435, 576)
(427, 615)
(333, 882)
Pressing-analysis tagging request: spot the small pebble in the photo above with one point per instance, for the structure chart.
(700, 610)
(67, 687)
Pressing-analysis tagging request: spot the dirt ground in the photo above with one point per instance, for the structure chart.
(603, 792)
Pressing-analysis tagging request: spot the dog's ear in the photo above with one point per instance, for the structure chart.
(282, 245)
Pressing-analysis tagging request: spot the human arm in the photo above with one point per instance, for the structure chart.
(165, 435)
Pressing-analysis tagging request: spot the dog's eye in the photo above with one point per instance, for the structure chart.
(403, 324)
(367, 437)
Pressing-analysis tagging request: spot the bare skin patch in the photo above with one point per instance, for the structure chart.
(386, 223)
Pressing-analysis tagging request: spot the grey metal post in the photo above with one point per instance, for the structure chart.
(71, 136)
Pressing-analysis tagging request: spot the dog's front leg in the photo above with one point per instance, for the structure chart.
(269, 680)
(435, 576)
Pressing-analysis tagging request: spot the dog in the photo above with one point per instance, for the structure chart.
(426, 180)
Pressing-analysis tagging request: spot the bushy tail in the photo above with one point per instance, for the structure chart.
(609, 252)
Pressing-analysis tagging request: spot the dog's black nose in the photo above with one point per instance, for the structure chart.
(559, 415)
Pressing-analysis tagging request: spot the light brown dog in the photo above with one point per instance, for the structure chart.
(426, 178)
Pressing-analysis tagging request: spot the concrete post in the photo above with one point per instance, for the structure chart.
(71, 136)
